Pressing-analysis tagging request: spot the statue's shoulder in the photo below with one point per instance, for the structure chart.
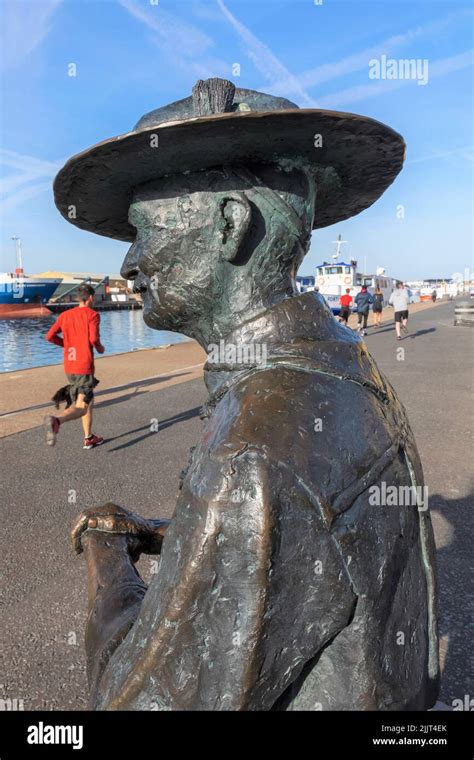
(297, 409)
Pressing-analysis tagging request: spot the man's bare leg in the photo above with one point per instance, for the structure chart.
(80, 409)
(87, 420)
(53, 422)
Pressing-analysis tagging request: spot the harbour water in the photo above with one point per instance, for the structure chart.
(23, 345)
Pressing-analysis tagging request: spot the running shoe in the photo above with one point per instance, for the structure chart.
(92, 442)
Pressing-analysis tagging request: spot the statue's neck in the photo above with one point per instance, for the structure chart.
(226, 318)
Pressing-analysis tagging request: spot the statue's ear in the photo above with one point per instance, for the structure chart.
(234, 220)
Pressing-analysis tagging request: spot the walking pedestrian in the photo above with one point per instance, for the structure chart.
(80, 330)
(363, 300)
(346, 303)
(378, 306)
(399, 300)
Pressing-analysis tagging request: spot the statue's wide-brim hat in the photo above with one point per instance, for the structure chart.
(357, 157)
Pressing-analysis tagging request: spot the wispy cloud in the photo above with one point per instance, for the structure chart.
(264, 60)
(171, 31)
(184, 44)
(359, 61)
(205, 10)
(466, 153)
(27, 163)
(32, 177)
(355, 94)
(24, 27)
(26, 194)
(453, 63)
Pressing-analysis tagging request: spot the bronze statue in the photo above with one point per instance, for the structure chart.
(281, 585)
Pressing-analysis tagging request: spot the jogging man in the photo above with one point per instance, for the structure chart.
(363, 300)
(80, 335)
(399, 300)
(346, 303)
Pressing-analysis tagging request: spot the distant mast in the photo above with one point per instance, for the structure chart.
(18, 255)
(338, 243)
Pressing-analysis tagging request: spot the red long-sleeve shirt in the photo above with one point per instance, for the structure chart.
(80, 334)
(345, 300)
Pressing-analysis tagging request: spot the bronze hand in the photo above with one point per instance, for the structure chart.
(144, 536)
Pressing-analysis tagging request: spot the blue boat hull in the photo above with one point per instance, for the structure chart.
(15, 293)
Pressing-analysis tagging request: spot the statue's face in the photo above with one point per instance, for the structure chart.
(175, 253)
(198, 236)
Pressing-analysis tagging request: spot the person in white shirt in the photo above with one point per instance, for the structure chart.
(399, 300)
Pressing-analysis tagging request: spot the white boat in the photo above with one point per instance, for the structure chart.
(333, 279)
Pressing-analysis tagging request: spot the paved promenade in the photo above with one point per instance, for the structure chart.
(43, 597)
(25, 395)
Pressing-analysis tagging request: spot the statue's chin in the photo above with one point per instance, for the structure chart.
(153, 320)
(161, 319)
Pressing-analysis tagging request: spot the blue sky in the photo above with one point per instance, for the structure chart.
(134, 55)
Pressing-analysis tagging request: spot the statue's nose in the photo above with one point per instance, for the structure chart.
(129, 269)
(129, 273)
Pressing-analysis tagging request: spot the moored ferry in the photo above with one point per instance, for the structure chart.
(333, 279)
